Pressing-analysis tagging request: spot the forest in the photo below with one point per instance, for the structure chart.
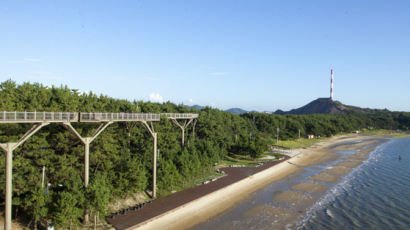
(121, 157)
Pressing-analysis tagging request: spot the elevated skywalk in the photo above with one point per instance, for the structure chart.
(106, 117)
(37, 117)
(41, 119)
(181, 115)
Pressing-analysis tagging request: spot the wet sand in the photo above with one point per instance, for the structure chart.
(205, 207)
(325, 177)
(338, 170)
(292, 197)
(309, 187)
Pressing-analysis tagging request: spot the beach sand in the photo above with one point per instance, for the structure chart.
(212, 204)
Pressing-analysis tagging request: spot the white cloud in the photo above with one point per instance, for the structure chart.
(219, 73)
(190, 100)
(155, 97)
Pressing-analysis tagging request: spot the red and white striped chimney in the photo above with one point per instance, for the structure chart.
(331, 84)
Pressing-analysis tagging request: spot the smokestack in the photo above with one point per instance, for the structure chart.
(331, 84)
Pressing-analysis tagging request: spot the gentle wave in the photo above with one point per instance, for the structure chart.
(375, 195)
(344, 186)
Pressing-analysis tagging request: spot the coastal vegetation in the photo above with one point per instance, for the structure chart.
(121, 157)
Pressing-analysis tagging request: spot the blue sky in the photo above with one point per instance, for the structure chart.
(256, 55)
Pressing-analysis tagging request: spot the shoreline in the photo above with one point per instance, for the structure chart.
(201, 209)
(214, 203)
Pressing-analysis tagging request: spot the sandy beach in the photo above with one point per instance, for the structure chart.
(212, 204)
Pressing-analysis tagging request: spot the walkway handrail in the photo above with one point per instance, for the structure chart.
(98, 117)
(34, 117)
(181, 115)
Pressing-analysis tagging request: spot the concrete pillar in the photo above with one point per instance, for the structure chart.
(86, 160)
(193, 130)
(87, 141)
(183, 137)
(154, 168)
(9, 188)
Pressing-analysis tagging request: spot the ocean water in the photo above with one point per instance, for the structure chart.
(375, 195)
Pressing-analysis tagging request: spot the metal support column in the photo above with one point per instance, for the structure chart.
(9, 148)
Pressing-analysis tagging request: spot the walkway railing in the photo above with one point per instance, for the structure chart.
(98, 117)
(33, 117)
(181, 115)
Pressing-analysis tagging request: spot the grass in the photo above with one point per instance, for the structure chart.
(211, 173)
(237, 160)
(379, 132)
(304, 143)
(190, 183)
(299, 143)
(395, 133)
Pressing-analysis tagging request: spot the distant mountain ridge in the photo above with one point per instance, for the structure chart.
(325, 106)
(198, 107)
(236, 111)
(232, 110)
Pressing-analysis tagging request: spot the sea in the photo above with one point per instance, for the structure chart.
(374, 195)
